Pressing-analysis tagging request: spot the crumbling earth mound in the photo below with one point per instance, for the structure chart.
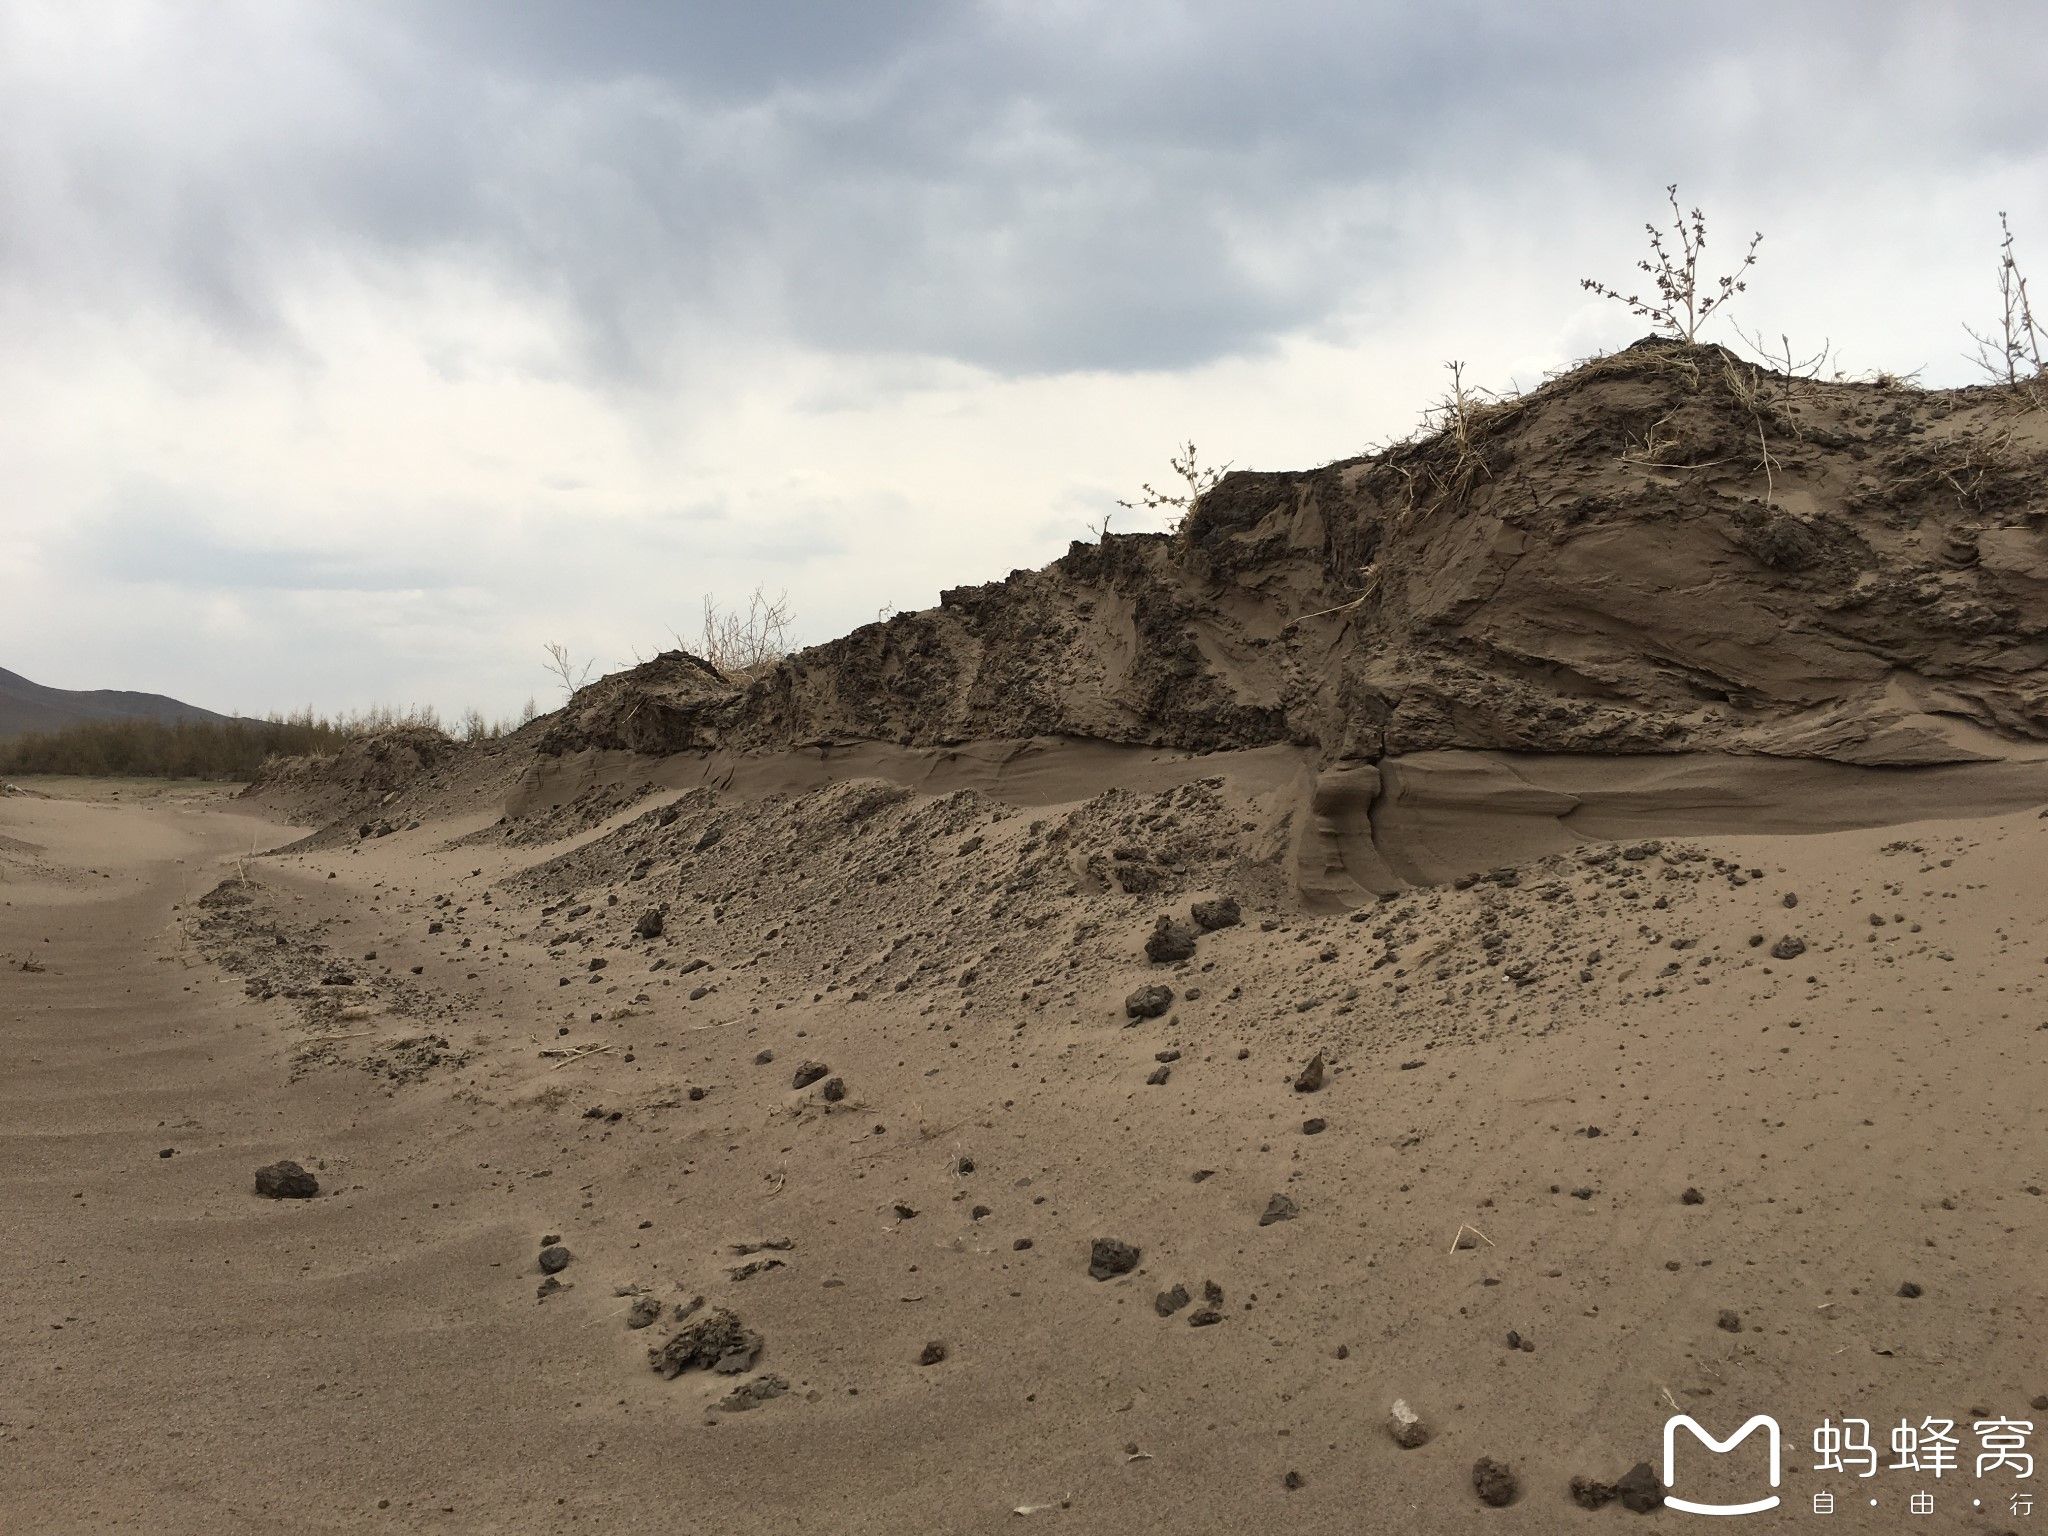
(1664, 550)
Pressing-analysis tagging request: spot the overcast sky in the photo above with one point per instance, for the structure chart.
(349, 352)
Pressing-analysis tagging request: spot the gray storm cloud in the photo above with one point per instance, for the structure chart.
(631, 247)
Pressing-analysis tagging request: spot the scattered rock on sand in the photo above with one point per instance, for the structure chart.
(1148, 1002)
(1109, 1257)
(1406, 1426)
(934, 1353)
(1640, 1489)
(1590, 1493)
(644, 1312)
(752, 1394)
(554, 1259)
(1310, 1077)
(1494, 1481)
(1790, 947)
(809, 1073)
(286, 1180)
(1170, 942)
(1223, 912)
(1166, 1303)
(716, 1341)
(1279, 1208)
(651, 923)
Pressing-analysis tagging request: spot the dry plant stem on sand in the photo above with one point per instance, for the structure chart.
(1197, 479)
(2012, 354)
(1681, 305)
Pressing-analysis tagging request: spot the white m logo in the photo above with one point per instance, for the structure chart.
(1719, 1447)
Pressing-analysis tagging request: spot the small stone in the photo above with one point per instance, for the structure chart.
(1788, 948)
(752, 1394)
(1406, 1426)
(833, 1091)
(1728, 1322)
(1640, 1489)
(1170, 942)
(934, 1352)
(1223, 912)
(1314, 1126)
(1292, 1481)
(1910, 1289)
(1692, 1197)
(1206, 1317)
(554, 1259)
(1494, 1481)
(1111, 1256)
(1157, 1076)
(1279, 1208)
(652, 921)
(809, 1073)
(1166, 1303)
(1589, 1493)
(286, 1181)
(1148, 1002)
(644, 1312)
(1310, 1078)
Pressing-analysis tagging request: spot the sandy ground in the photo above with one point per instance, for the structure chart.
(182, 1355)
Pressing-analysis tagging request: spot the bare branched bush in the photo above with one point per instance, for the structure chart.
(564, 667)
(2013, 353)
(1682, 305)
(742, 641)
(1198, 481)
(1785, 359)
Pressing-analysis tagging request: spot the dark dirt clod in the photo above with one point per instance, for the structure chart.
(1590, 1493)
(1640, 1489)
(715, 1341)
(286, 1180)
(1111, 1256)
(1494, 1481)
(752, 1394)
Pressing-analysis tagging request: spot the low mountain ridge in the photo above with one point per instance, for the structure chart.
(27, 706)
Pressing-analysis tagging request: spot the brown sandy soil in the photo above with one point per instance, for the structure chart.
(185, 1355)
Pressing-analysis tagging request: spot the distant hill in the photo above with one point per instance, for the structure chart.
(27, 706)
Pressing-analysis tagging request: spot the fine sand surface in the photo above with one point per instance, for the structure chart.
(1551, 1055)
